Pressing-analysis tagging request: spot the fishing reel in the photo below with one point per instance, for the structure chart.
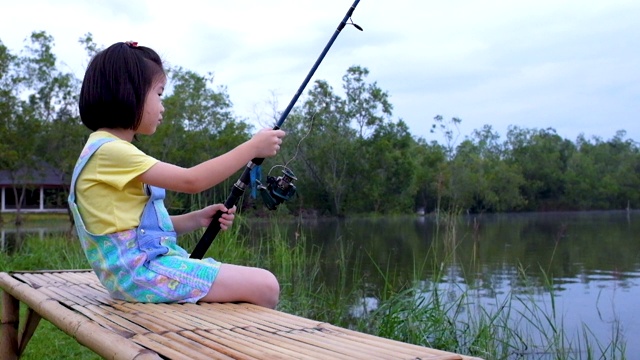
(278, 189)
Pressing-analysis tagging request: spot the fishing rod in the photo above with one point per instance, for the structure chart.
(278, 189)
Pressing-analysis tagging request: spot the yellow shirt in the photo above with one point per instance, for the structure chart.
(109, 197)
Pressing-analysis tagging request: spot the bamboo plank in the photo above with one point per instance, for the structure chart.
(238, 321)
(259, 340)
(274, 313)
(261, 316)
(277, 317)
(51, 294)
(159, 345)
(193, 345)
(44, 271)
(159, 311)
(305, 337)
(333, 339)
(116, 317)
(199, 312)
(54, 278)
(393, 343)
(80, 277)
(247, 346)
(88, 284)
(202, 312)
(267, 318)
(288, 345)
(105, 322)
(90, 295)
(345, 337)
(167, 318)
(149, 322)
(178, 321)
(33, 280)
(228, 347)
(65, 296)
(85, 292)
(395, 348)
(215, 343)
(100, 294)
(194, 323)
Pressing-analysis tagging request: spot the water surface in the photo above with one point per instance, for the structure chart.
(592, 260)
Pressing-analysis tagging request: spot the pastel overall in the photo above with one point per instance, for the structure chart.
(144, 264)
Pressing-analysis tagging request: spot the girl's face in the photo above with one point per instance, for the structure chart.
(153, 109)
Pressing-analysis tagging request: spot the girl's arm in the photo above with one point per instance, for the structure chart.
(201, 218)
(205, 175)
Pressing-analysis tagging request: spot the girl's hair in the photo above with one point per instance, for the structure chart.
(116, 84)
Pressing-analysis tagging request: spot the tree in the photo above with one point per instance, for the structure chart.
(33, 92)
(542, 156)
(326, 152)
(8, 107)
(62, 140)
(604, 174)
(501, 181)
(389, 181)
(366, 104)
(449, 130)
(430, 158)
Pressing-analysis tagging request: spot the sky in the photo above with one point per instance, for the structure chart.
(573, 66)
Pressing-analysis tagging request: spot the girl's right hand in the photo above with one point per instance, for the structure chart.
(266, 142)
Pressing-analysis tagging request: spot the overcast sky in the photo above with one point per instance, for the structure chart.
(570, 65)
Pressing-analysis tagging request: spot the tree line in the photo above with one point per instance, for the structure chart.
(349, 154)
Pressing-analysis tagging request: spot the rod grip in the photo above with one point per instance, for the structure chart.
(212, 230)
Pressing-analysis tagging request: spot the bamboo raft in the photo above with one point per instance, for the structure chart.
(75, 302)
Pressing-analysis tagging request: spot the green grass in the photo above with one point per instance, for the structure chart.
(420, 310)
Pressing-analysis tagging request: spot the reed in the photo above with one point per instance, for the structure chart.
(445, 315)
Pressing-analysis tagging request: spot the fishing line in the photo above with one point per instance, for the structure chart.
(301, 140)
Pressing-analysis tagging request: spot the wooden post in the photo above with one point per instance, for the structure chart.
(30, 325)
(9, 327)
(41, 197)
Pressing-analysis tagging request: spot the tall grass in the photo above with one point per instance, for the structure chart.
(431, 309)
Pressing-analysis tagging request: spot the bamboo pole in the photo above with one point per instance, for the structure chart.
(9, 327)
(31, 323)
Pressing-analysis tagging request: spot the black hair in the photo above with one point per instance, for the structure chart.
(116, 84)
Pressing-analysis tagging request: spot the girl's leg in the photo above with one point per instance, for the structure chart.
(236, 283)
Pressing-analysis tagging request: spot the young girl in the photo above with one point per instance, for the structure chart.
(117, 192)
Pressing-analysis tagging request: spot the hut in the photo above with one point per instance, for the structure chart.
(44, 186)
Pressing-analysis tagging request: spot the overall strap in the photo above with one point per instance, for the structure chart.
(86, 154)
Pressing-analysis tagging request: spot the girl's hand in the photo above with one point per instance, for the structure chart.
(226, 220)
(266, 142)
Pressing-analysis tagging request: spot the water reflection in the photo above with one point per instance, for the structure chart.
(13, 238)
(482, 250)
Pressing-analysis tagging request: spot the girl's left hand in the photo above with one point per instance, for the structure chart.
(226, 220)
